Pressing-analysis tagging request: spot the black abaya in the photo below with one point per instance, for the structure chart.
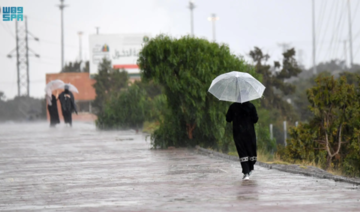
(63, 97)
(244, 116)
(53, 112)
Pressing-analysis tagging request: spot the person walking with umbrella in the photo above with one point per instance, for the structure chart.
(52, 101)
(240, 88)
(68, 105)
(244, 116)
(53, 110)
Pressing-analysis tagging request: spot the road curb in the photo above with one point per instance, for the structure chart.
(295, 169)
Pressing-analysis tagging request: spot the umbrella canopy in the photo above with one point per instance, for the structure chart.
(236, 87)
(69, 86)
(53, 85)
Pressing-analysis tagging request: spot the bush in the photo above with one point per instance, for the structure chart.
(185, 68)
(331, 138)
(125, 110)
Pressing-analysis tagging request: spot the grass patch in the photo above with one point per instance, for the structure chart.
(264, 156)
(336, 172)
(280, 162)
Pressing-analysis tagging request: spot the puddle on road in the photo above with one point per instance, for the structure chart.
(193, 169)
(249, 183)
(124, 139)
(241, 198)
(182, 159)
(194, 172)
(353, 187)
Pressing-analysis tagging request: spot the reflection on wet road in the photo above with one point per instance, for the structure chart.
(82, 169)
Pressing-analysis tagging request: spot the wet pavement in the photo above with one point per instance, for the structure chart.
(82, 169)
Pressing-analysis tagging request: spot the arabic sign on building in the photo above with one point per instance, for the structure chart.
(121, 49)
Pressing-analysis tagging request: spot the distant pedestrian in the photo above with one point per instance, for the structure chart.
(244, 116)
(53, 110)
(68, 105)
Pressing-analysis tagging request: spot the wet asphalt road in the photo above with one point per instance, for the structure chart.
(82, 169)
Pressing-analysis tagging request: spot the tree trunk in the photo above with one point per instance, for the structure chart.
(328, 162)
(331, 155)
(190, 128)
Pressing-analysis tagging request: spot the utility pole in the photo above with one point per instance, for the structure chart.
(350, 35)
(17, 58)
(191, 7)
(61, 7)
(345, 55)
(213, 18)
(27, 59)
(313, 35)
(97, 30)
(80, 53)
(22, 56)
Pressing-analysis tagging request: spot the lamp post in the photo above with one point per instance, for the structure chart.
(61, 7)
(213, 18)
(191, 7)
(80, 53)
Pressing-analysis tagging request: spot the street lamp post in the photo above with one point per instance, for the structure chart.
(80, 52)
(213, 18)
(191, 7)
(62, 6)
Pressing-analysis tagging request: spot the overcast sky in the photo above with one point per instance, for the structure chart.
(243, 24)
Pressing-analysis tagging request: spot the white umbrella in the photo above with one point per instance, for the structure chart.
(53, 85)
(50, 87)
(70, 87)
(236, 87)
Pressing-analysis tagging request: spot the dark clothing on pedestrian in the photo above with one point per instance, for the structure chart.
(53, 112)
(244, 116)
(68, 105)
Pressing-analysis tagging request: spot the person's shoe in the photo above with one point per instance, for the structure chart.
(246, 177)
(250, 172)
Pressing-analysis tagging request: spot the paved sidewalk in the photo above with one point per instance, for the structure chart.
(82, 169)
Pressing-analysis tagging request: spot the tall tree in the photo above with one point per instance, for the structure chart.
(331, 138)
(274, 78)
(108, 81)
(334, 103)
(185, 68)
